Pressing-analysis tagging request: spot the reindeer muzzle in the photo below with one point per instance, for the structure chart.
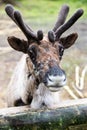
(54, 78)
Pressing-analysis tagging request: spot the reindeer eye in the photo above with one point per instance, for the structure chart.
(32, 53)
(61, 51)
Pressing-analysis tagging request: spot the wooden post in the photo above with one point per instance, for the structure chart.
(70, 115)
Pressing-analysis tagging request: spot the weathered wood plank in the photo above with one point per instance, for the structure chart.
(71, 115)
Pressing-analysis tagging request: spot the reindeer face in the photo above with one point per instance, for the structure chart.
(45, 52)
(46, 57)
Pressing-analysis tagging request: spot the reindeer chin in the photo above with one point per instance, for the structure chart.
(55, 88)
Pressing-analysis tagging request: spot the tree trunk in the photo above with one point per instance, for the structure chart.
(71, 116)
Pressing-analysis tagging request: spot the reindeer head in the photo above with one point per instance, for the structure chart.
(45, 51)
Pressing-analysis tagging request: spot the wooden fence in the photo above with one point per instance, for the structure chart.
(70, 115)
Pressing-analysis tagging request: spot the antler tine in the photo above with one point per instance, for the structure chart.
(61, 17)
(10, 12)
(69, 23)
(29, 34)
(17, 18)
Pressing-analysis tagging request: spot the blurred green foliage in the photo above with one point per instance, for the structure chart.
(48, 8)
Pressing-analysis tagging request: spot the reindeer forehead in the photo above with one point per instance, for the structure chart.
(47, 51)
(46, 46)
(45, 43)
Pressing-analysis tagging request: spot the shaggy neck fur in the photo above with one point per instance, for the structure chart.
(21, 86)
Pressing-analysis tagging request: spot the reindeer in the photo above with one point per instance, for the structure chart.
(38, 79)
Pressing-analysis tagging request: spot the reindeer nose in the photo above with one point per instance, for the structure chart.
(55, 71)
(55, 76)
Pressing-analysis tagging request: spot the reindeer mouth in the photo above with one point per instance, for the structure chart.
(55, 88)
(55, 83)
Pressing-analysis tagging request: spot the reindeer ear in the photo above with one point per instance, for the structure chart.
(18, 44)
(69, 40)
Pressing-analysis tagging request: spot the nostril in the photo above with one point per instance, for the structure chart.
(64, 79)
(45, 81)
(49, 79)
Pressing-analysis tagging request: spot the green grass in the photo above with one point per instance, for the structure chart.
(49, 8)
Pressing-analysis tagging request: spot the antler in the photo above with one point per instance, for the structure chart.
(10, 11)
(28, 33)
(60, 20)
(17, 18)
(61, 17)
(69, 23)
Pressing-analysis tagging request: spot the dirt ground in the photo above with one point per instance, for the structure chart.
(9, 57)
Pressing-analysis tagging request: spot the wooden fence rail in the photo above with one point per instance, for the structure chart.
(70, 115)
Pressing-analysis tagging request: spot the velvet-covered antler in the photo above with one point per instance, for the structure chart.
(17, 18)
(54, 35)
(60, 20)
(61, 17)
(68, 24)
